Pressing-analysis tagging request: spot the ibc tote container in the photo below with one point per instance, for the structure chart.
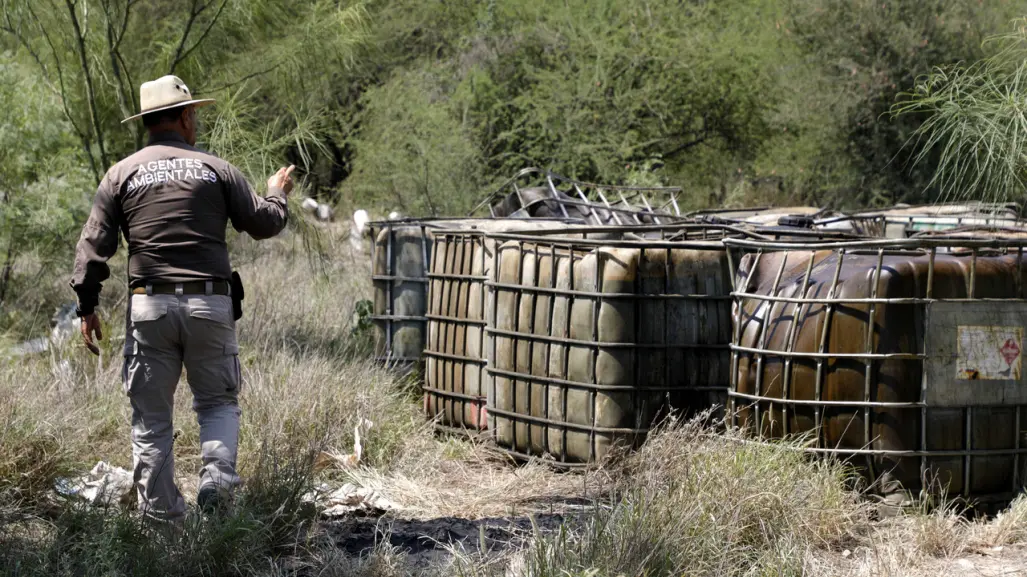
(903, 356)
(593, 340)
(906, 221)
(401, 249)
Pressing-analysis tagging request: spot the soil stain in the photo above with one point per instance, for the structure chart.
(426, 540)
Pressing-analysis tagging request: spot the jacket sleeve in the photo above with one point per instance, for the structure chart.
(259, 217)
(96, 245)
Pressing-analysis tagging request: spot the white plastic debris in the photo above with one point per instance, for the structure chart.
(358, 229)
(360, 220)
(65, 326)
(320, 210)
(325, 212)
(104, 485)
(349, 499)
(309, 204)
(40, 345)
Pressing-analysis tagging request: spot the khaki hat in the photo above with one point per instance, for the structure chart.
(164, 93)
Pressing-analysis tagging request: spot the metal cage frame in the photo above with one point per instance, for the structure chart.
(948, 216)
(920, 246)
(388, 319)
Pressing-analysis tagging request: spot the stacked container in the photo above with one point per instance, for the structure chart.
(401, 249)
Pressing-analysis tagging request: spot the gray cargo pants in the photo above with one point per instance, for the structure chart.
(163, 332)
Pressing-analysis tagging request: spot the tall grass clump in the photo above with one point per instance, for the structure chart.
(267, 524)
(974, 131)
(307, 387)
(697, 502)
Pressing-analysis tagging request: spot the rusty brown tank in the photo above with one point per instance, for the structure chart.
(593, 341)
(902, 356)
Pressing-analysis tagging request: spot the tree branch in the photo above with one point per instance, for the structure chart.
(90, 92)
(193, 14)
(203, 36)
(63, 91)
(204, 90)
(685, 146)
(114, 49)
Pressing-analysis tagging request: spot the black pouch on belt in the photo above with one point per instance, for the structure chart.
(238, 294)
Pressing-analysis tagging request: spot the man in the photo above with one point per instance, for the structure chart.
(172, 203)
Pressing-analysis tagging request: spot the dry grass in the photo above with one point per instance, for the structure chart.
(692, 501)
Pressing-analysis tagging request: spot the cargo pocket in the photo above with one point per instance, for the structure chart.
(232, 359)
(146, 309)
(131, 370)
(212, 309)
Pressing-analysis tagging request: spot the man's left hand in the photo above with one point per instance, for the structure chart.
(91, 325)
(282, 180)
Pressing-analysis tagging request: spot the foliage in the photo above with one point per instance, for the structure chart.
(424, 106)
(42, 185)
(741, 102)
(414, 152)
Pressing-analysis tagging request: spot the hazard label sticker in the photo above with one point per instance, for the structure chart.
(989, 353)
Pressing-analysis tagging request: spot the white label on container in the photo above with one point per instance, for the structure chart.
(989, 353)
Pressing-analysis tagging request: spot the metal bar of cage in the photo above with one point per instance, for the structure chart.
(790, 345)
(736, 326)
(761, 349)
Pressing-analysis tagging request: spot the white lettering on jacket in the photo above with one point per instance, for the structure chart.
(171, 170)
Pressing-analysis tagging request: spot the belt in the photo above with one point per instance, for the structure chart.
(198, 287)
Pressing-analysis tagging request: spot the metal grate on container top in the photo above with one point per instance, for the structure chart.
(533, 188)
(559, 387)
(961, 423)
(817, 222)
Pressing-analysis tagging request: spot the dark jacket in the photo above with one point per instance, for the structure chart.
(172, 202)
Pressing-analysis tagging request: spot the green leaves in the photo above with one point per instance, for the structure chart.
(414, 153)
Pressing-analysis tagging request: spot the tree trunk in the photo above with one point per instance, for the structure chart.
(5, 273)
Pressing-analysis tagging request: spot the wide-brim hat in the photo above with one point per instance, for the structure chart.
(164, 93)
